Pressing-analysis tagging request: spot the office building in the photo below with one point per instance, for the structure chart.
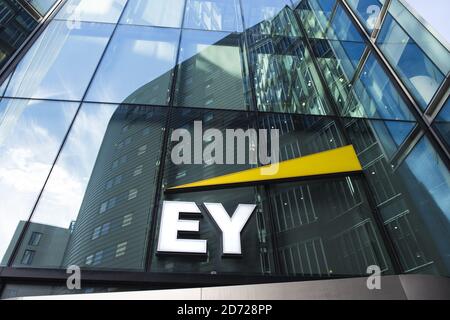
(90, 105)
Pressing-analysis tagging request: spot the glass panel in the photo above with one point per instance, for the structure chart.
(210, 71)
(5, 84)
(76, 201)
(337, 46)
(427, 181)
(422, 37)
(302, 135)
(61, 62)
(373, 138)
(166, 13)
(350, 47)
(442, 123)
(17, 25)
(218, 15)
(313, 240)
(137, 66)
(315, 16)
(376, 96)
(256, 11)
(285, 78)
(95, 11)
(444, 115)
(42, 6)
(411, 196)
(35, 239)
(420, 74)
(283, 23)
(367, 11)
(31, 133)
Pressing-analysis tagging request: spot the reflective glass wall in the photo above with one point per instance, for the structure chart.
(18, 19)
(87, 116)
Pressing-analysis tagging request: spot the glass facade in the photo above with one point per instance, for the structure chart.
(87, 119)
(18, 20)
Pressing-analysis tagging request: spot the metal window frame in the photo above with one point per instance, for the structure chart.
(423, 121)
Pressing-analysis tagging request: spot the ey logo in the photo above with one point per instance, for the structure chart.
(337, 161)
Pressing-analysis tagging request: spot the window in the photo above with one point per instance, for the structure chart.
(219, 15)
(101, 230)
(207, 55)
(97, 11)
(113, 182)
(86, 160)
(96, 233)
(61, 62)
(378, 97)
(31, 133)
(28, 257)
(132, 194)
(146, 131)
(138, 170)
(367, 11)
(442, 123)
(137, 59)
(346, 42)
(89, 260)
(5, 82)
(417, 57)
(98, 258)
(105, 228)
(121, 249)
(427, 181)
(167, 13)
(43, 6)
(35, 239)
(142, 150)
(127, 220)
(117, 180)
(112, 202)
(256, 11)
(109, 184)
(103, 207)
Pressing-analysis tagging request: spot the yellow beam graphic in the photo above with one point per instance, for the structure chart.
(340, 160)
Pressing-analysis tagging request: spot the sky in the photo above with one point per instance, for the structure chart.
(436, 13)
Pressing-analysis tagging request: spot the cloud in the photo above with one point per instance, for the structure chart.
(61, 200)
(25, 161)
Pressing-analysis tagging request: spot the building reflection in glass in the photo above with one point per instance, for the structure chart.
(98, 202)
